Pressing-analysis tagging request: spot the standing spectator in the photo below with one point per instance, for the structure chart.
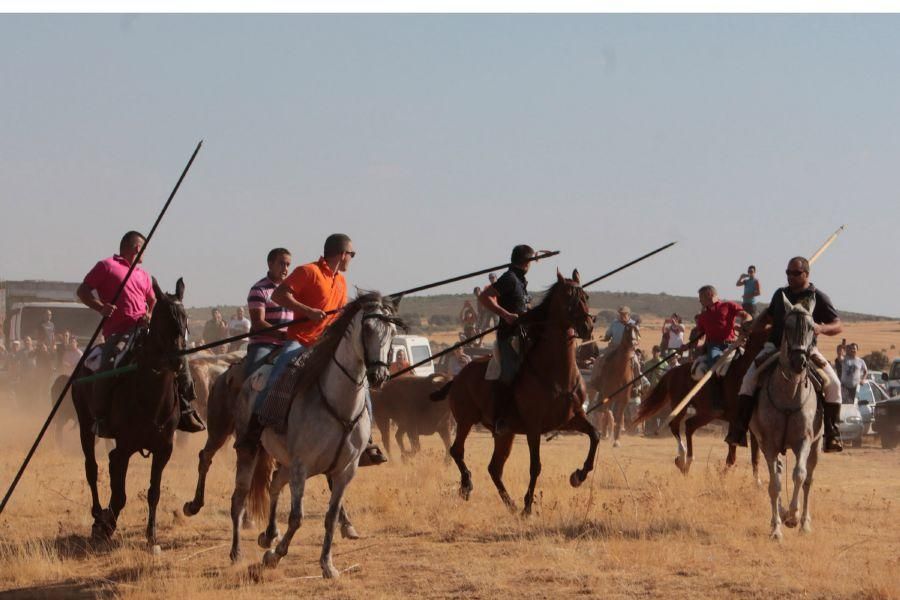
(841, 355)
(47, 330)
(486, 318)
(71, 355)
(673, 333)
(468, 318)
(238, 325)
(458, 359)
(215, 329)
(751, 290)
(853, 371)
(400, 362)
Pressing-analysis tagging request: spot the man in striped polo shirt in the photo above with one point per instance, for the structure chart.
(264, 313)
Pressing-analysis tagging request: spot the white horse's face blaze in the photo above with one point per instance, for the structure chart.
(377, 332)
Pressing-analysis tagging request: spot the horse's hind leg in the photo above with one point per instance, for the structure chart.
(619, 421)
(88, 441)
(279, 480)
(458, 451)
(681, 457)
(160, 459)
(502, 447)
(334, 508)
(534, 451)
(811, 462)
(298, 485)
(444, 432)
(214, 441)
(691, 426)
(246, 461)
(754, 458)
(580, 423)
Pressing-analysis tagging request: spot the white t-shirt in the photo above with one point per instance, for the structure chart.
(238, 326)
(676, 337)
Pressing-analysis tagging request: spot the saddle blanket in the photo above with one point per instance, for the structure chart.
(277, 404)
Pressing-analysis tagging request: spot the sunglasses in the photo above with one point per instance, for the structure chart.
(352, 253)
(791, 273)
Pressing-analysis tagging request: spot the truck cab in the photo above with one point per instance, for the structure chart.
(417, 348)
(24, 319)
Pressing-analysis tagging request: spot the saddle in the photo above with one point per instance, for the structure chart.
(122, 354)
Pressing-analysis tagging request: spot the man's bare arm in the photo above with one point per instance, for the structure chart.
(833, 328)
(283, 296)
(85, 293)
(488, 299)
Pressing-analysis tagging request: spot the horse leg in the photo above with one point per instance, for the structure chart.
(348, 531)
(534, 451)
(690, 426)
(731, 458)
(398, 435)
(811, 462)
(801, 455)
(458, 452)
(444, 432)
(246, 461)
(619, 421)
(118, 470)
(214, 441)
(279, 480)
(680, 458)
(580, 423)
(502, 447)
(774, 462)
(160, 459)
(88, 444)
(331, 517)
(298, 485)
(754, 458)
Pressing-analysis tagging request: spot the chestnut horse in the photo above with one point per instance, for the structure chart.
(612, 372)
(677, 382)
(548, 390)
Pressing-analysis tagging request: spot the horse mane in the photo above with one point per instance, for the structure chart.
(538, 317)
(321, 353)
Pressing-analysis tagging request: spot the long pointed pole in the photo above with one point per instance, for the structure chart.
(706, 376)
(90, 343)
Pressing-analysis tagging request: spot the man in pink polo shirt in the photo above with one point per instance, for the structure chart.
(131, 311)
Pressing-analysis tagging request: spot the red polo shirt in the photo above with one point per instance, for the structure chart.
(717, 321)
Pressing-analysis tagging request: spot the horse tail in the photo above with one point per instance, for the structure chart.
(440, 394)
(258, 500)
(655, 401)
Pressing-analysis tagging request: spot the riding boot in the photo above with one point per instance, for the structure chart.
(502, 401)
(737, 429)
(372, 455)
(251, 436)
(190, 421)
(832, 414)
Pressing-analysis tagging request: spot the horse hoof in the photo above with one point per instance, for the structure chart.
(155, 550)
(349, 532)
(616, 444)
(575, 479)
(265, 542)
(790, 522)
(465, 492)
(329, 572)
(270, 559)
(190, 509)
(234, 555)
(776, 536)
(806, 527)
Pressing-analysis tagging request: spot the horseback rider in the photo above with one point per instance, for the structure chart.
(827, 322)
(130, 313)
(508, 299)
(265, 313)
(312, 291)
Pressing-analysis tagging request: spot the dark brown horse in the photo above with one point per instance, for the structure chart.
(549, 391)
(143, 416)
(676, 383)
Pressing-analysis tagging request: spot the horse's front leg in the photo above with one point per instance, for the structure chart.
(774, 462)
(681, 456)
(619, 421)
(801, 454)
(534, 451)
(811, 462)
(690, 426)
(279, 480)
(347, 529)
(88, 448)
(754, 458)
(160, 459)
(298, 485)
(580, 423)
(105, 526)
(334, 508)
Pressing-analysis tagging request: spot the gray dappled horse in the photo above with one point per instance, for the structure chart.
(786, 417)
(327, 430)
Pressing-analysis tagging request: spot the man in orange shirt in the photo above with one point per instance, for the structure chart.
(312, 291)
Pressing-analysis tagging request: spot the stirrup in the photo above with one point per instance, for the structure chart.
(372, 456)
(736, 437)
(191, 422)
(100, 428)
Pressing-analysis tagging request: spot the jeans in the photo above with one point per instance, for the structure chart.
(292, 350)
(255, 355)
(714, 351)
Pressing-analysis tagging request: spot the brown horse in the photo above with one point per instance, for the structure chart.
(549, 391)
(405, 402)
(612, 372)
(144, 414)
(676, 383)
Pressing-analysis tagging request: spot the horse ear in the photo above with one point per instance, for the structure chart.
(395, 303)
(559, 276)
(157, 291)
(788, 307)
(812, 304)
(576, 277)
(179, 289)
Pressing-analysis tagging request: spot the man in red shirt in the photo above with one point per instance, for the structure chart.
(311, 290)
(716, 322)
(131, 310)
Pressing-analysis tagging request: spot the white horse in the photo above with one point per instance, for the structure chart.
(786, 417)
(328, 425)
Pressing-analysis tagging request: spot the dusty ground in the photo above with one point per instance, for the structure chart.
(636, 528)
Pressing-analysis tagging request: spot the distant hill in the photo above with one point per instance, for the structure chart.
(441, 312)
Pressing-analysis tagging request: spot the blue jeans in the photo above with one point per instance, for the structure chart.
(292, 350)
(255, 355)
(714, 351)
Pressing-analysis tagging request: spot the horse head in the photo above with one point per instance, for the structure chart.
(799, 334)
(168, 325)
(378, 323)
(570, 305)
(632, 336)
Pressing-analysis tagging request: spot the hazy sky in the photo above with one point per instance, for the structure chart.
(439, 142)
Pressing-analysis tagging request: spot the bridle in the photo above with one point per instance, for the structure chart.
(369, 364)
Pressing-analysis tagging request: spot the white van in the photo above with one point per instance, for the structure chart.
(417, 349)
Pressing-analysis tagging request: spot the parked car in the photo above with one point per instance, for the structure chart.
(851, 425)
(893, 378)
(869, 394)
(887, 422)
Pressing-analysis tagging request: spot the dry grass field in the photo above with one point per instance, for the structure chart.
(636, 528)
